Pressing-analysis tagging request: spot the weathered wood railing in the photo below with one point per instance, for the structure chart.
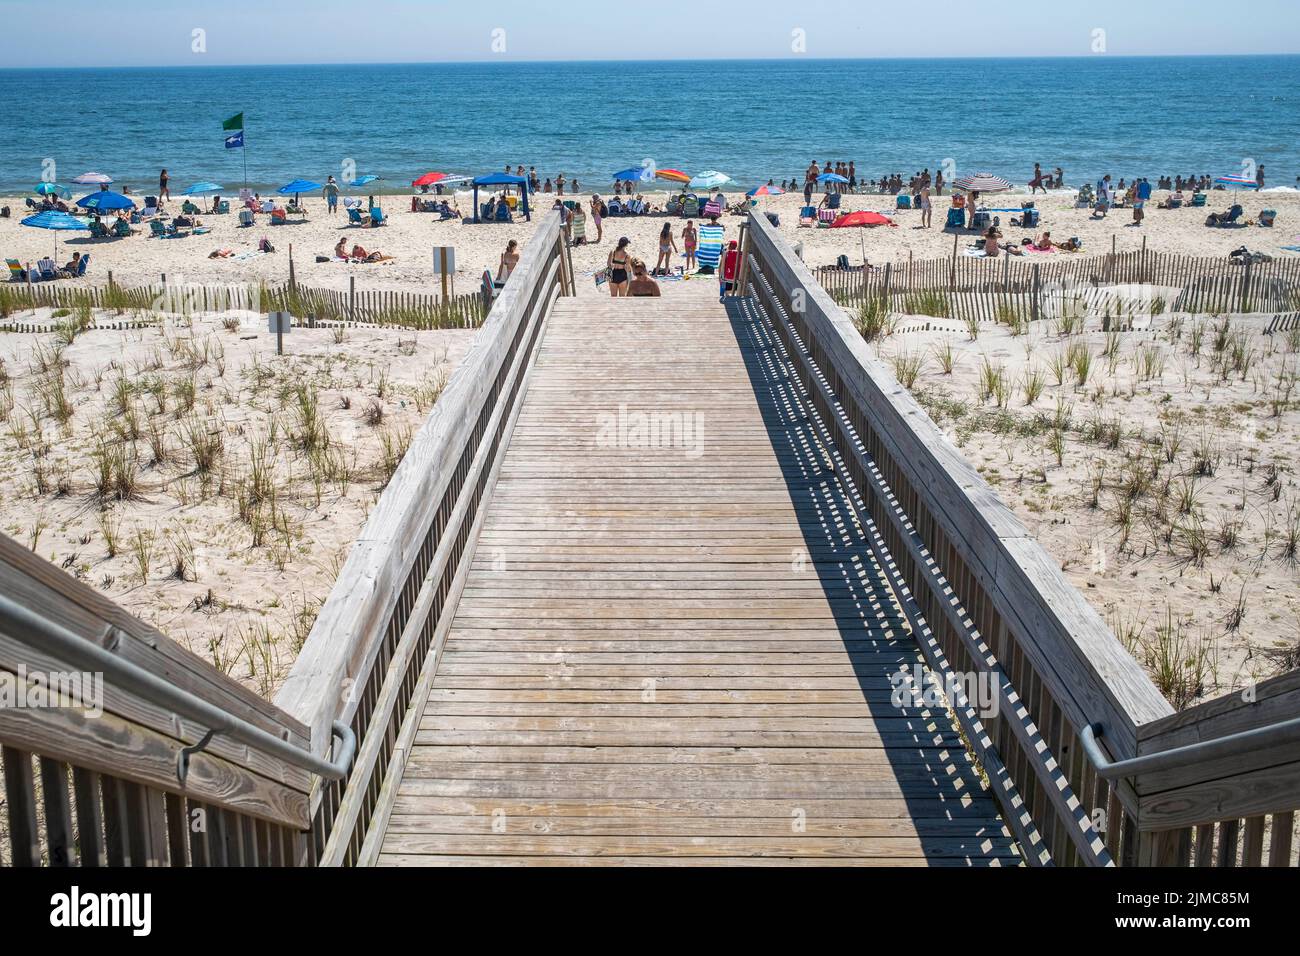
(375, 643)
(90, 769)
(986, 599)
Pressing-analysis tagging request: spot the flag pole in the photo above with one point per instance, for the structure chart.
(243, 139)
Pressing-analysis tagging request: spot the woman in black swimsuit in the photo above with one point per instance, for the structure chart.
(617, 266)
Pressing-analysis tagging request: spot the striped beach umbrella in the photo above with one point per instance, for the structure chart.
(94, 179)
(1240, 182)
(766, 191)
(982, 183)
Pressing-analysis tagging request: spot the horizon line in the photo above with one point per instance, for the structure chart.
(729, 59)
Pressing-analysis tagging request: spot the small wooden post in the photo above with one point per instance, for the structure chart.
(888, 271)
(352, 299)
(293, 281)
(1034, 306)
(952, 280)
(1245, 288)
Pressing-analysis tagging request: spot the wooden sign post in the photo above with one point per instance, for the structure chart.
(444, 265)
(278, 322)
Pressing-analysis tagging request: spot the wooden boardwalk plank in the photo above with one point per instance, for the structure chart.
(675, 645)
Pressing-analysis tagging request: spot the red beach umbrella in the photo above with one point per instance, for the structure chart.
(428, 179)
(863, 218)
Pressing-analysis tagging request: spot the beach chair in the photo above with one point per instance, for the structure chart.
(122, 229)
(614, 207)
(808, 216)
(579, 229)
(47, 269)
(833, 201)
(691, 208)
(488, 288)
(903, 202)
(354, 217)
(81, 265)
(98, 230)
(377, 216)
(16, 271)
(503, 213)
(1228, 218)
(1199, 199)
(826, 217)
(712, 209)
(189, 208)
(222, 208)
(246, 217)
(158, 230)
(1267, 217)
(956, 219)
(293, 209)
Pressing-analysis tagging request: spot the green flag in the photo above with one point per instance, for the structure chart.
(235, 122)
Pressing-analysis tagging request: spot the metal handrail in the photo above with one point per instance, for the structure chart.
(25, 625)
(1270, 735)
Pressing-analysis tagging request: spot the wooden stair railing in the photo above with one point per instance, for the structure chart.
(988, 600)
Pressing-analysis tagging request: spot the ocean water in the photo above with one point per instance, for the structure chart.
(752, 119)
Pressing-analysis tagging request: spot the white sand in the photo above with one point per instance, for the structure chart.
(411, 237)
(245, 606)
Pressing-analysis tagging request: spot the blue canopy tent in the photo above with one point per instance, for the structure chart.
(503, 179)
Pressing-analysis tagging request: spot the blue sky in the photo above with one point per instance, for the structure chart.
(161, 32)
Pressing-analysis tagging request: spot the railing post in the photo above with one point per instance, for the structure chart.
(1245, 287)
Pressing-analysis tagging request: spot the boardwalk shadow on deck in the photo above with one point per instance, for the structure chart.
(866, 612)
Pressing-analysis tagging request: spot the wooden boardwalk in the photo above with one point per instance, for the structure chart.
(677, 650)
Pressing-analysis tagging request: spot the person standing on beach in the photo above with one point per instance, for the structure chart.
(331, 192)
(618, 267)
(597, 215)
(807, 192)
(559, 185)
(667, 246)
(163, 191)
(690, 238)
(925, 207)
(938, 182)
(1259, 177)
(509, 259)
(853, 177)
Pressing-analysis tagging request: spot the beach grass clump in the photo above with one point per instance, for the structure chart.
(1178, 661)
(206, 443)
(946, 356)
(907, 368)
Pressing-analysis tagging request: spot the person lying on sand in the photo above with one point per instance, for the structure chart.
(221, 253)
(1044, 242)
(360, 255)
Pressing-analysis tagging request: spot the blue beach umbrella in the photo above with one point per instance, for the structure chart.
(298, 186)
(58, 222)
(365, 180)
(105, 201)
(832, 178)
(709, 179)
(52, 189)
(632, 175)
(204, 189)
